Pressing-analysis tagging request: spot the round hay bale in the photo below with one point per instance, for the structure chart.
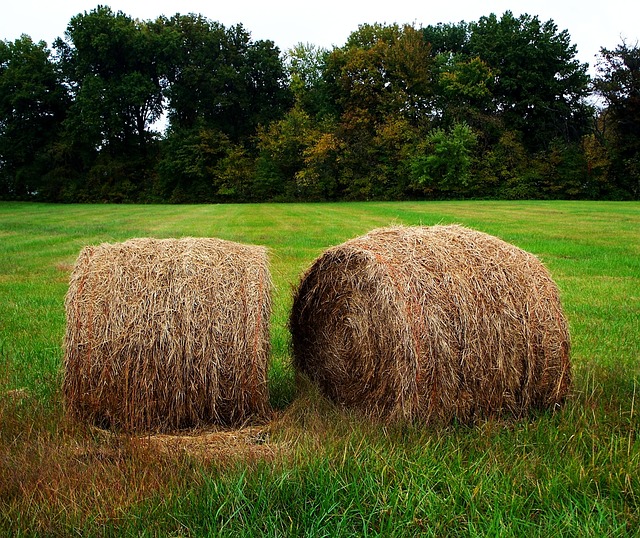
(166, 334)
(431, 324)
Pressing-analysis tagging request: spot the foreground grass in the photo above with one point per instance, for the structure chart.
(573, 473)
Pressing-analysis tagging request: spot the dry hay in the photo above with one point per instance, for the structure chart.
(431, 324)
(165, 334)
(252, 443)
(219, 445)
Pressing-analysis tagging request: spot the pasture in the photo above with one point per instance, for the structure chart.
(316, 469)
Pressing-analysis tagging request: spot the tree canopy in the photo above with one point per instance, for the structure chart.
(184, 109)
(618, 84)
(33, 105)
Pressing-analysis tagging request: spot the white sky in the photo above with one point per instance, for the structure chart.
(591, 24)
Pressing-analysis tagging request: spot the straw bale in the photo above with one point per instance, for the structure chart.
(431, 324)
(165, 334)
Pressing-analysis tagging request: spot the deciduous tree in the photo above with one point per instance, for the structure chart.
(618, 84)
(219, 76)
(443, 162)
(540, 86)
(112, 69)
(33, 104)
(382, 77)
(114, 74)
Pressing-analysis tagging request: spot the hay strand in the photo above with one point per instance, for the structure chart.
(165, 334)
(431, 324)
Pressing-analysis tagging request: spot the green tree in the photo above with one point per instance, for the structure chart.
(33, 104)
(443, 162)
(218, 76)
(464, 90)
(540, 86)
(321, 177)
(221, 88)
(563, 171)
(281, 147)
(393, 147)
(449, 39)
(113, 69)
(383, 76)
(306, 67)
(202, 165)
(618, 84)
(598, 159)
(267, 83)
(505, 169)
(383, 70)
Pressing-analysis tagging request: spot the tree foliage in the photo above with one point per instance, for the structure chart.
(184, 109)
(540, 87)
(218, 76)
(33, 104)
(618, 84)
(444, 162)
(110, 62)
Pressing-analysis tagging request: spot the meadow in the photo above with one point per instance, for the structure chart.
(315, 469)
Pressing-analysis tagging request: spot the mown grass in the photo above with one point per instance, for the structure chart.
(575, 472)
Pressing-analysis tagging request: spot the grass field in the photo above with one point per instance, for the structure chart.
(316, 470)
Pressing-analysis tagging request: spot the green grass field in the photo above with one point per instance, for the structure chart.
(316, 470)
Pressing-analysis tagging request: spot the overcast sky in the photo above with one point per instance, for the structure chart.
(326, 23)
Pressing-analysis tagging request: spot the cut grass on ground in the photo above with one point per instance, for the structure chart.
(318, 470)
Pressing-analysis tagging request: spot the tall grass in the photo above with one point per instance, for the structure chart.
(575, 472)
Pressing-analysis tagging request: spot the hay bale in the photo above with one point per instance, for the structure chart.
(431, 324)
(164, 334)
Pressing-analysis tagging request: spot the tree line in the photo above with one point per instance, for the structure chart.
(184, 109)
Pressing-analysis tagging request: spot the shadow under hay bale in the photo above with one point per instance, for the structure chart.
(431, 324)
(166, 334)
